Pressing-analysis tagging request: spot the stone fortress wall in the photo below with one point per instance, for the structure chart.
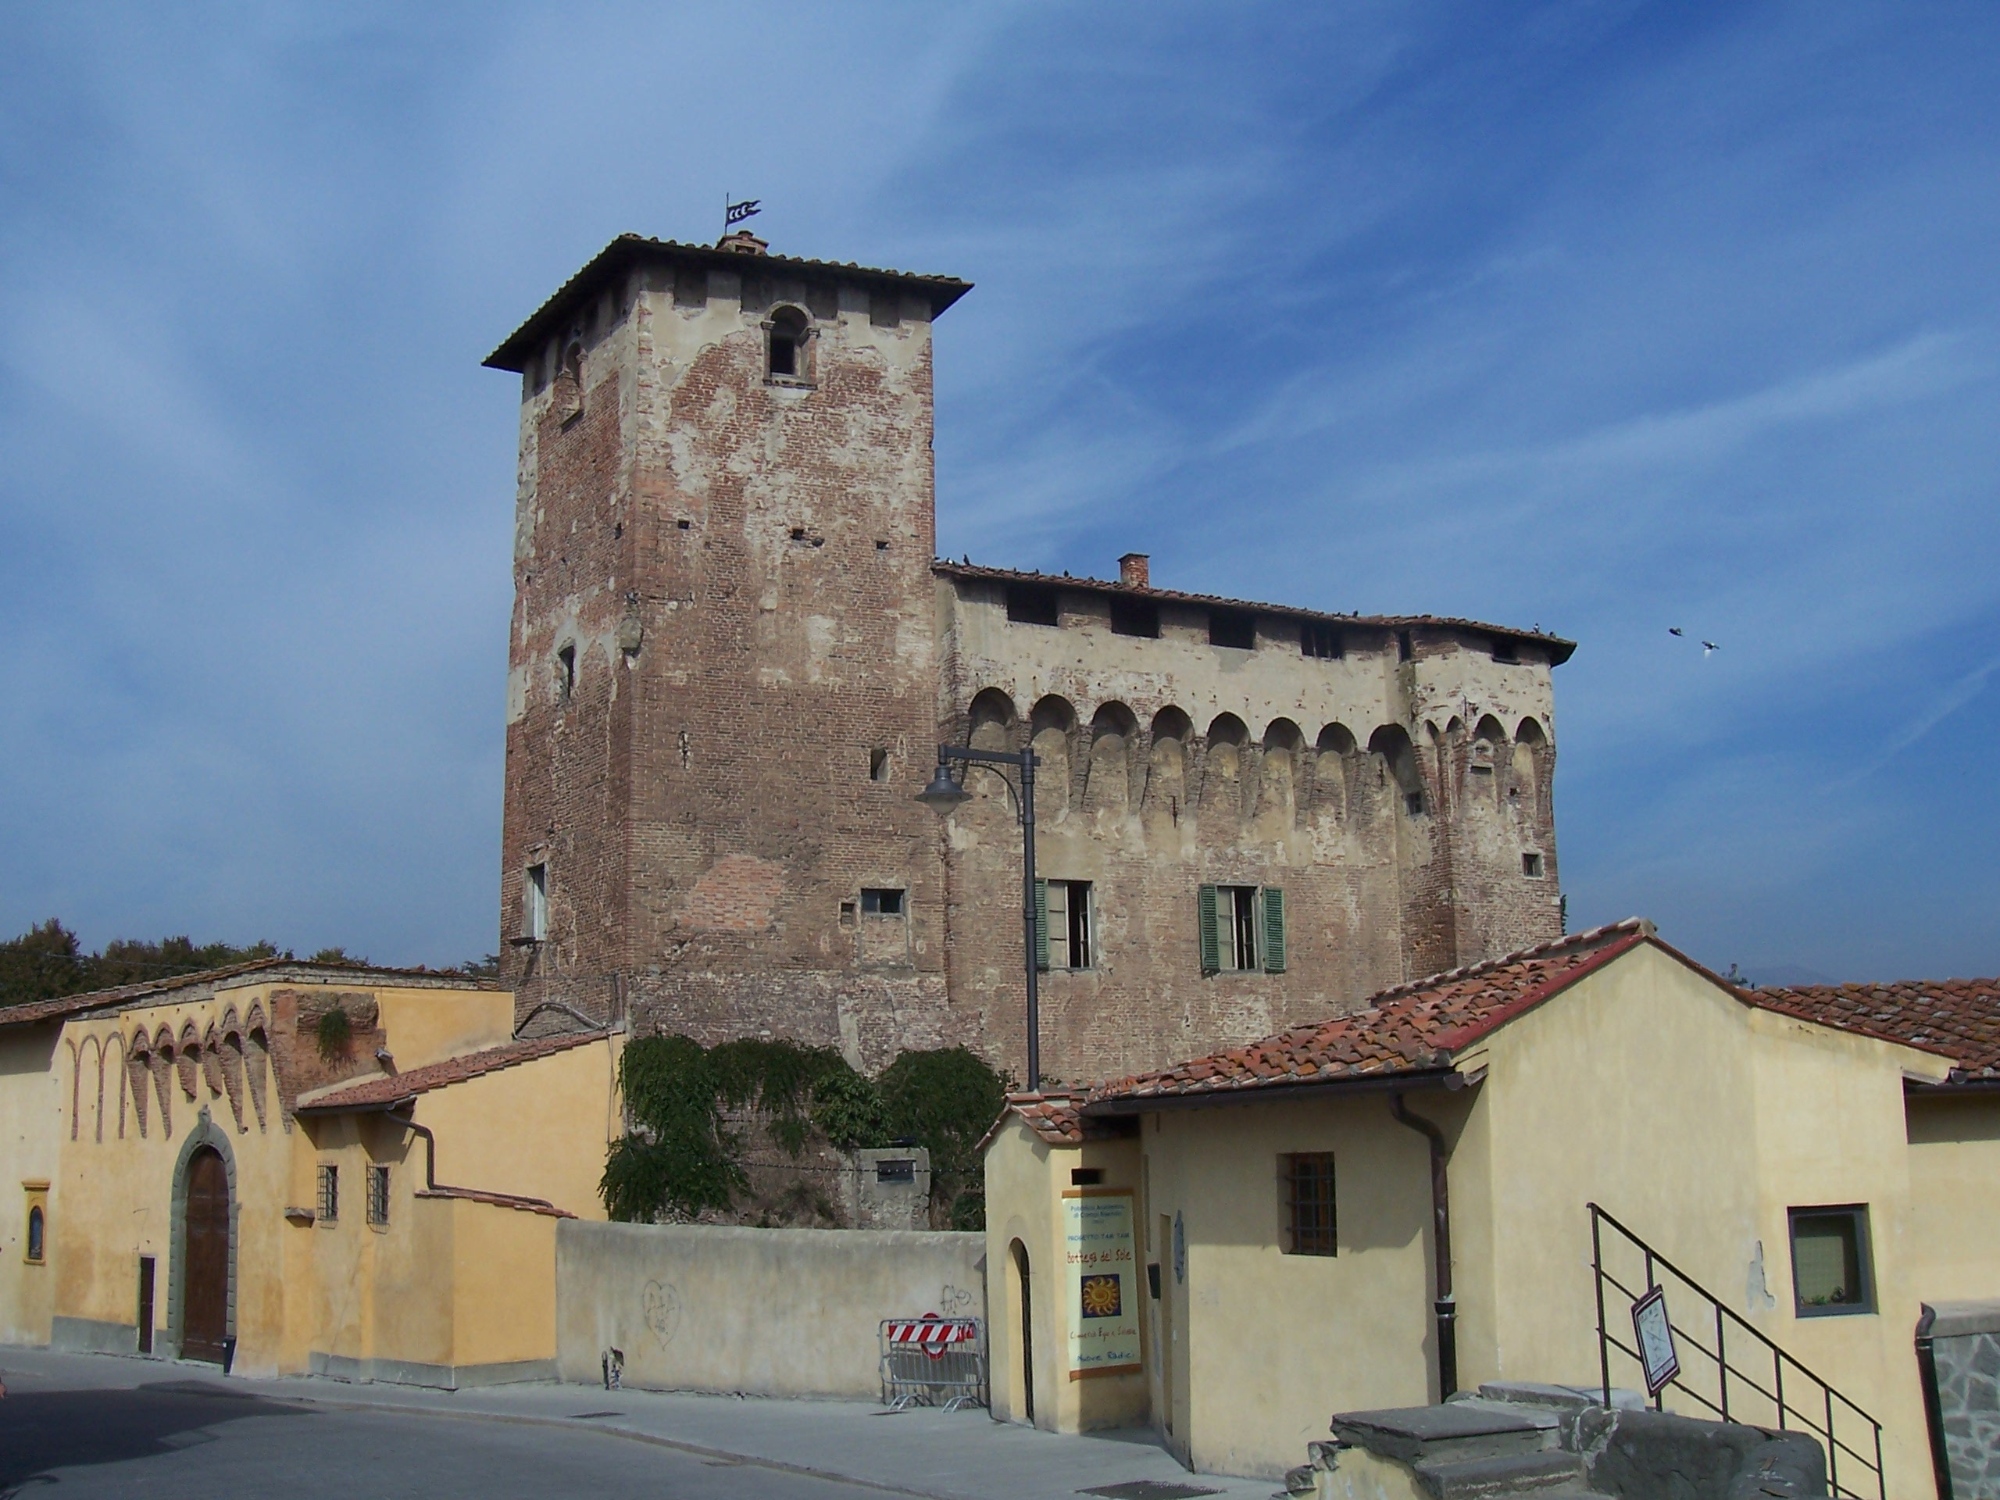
(722, 658)
(732, 655)
(1398, 792)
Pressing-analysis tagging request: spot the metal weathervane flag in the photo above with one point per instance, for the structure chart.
(736, 213)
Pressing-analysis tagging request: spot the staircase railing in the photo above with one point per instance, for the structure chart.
(1797, 1398)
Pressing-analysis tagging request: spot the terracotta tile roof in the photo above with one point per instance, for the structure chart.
(519, 346)
(1411, 1028)
(1056, 1117)
(498, 1200)
(281, 967)
(394, 1088)
(1959, 1018)
(1560, 650)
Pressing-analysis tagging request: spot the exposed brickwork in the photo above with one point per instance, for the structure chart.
(1393, 799)
(742, 566)
(727, 611)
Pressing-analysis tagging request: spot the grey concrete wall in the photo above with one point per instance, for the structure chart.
(1966, 1342)
(768, 1312)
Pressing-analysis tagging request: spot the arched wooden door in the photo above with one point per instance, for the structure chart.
(205, 1285)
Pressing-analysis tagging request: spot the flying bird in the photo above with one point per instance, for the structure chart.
(1675, 630)
(1709, 648)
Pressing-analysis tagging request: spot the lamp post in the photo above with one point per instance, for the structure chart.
(942, 796)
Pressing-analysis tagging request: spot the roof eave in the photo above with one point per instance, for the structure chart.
(1443, 1077)
(518, 347)
(1558, 647)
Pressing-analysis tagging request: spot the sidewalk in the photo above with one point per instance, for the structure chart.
(921, 1453)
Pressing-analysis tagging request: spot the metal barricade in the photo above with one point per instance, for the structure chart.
(933, 1361)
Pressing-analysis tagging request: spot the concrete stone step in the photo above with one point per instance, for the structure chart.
(1457, 1432)
(1510, 1474)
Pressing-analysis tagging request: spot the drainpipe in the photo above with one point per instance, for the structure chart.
(430, 1154)
(1933, 1407)
(1445, 1307)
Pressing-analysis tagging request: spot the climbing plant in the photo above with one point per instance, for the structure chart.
(681, 1156)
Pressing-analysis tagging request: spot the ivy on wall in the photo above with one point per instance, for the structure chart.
(680, 1155)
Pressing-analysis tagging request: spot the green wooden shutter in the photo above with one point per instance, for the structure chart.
(1274, 930)
(1041, 924)
(1211, 931)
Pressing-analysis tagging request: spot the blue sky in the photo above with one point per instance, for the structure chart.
(1602, 317)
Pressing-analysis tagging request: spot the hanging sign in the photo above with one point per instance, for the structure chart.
(1655, 1334)
(1101, 1280)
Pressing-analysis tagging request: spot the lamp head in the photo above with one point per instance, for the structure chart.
(943, 794)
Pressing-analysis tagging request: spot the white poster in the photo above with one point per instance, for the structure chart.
(1101, 1279)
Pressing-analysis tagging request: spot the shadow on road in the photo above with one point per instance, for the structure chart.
(45, 1430)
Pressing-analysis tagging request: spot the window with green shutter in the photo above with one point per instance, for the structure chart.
(1041, 924)
(1274, 930)
(1211, 930)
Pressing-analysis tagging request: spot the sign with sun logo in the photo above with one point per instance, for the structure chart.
(1103, 1317)
(1100, 1297)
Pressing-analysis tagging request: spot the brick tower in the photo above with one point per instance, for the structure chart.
(722, 668)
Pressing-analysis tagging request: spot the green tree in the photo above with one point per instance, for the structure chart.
(41, 964)
(945, 1101)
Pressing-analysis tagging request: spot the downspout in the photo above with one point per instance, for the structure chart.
(430, 1153)
(1444, 1307)
(1933, 1407)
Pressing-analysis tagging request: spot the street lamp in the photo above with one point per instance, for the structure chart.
(944, 795)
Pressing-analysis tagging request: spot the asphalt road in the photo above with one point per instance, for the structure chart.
(170, 1438)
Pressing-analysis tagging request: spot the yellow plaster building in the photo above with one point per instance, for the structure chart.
(291, 1166)
(1823, 1161)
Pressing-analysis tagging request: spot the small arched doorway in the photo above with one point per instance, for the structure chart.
(205, 1251)
(1019, 1254)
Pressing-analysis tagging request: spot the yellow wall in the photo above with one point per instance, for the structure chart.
(542, 1128)
(1646, 1088)
(1698, 1122)
(427, 1026)
(446, 1283)
(1257, 1348)
(1030, 1177)
(30, 1116)
(1954, 1240)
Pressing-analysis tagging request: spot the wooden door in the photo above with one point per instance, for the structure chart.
(205, 1286)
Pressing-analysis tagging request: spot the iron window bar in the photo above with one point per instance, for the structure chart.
(1724, 1318)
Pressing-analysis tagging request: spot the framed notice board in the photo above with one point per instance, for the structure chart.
(1100, 1281)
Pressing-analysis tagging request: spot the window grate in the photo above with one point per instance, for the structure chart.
(1308, 1188)
(329, 1194)
(378, 1195)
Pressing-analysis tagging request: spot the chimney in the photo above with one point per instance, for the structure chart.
(743, 242)
(1133, 572)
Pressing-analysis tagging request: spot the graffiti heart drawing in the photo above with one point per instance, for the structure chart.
(663, 1310)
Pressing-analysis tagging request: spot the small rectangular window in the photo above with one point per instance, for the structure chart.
(1404, 650)
(1232, 628)
(1086, 1176)
(1140, 617)
(1319, 640)
(329, 1194)
(1033, 604)
(1505, 652)
(566, 672)
(881, 901)
(535, 903)
(896, 1169)
(1831, 1273)
(878, 764)
(1306, 1184)
(1531, 866)
(1063, 912)
(378, 1195)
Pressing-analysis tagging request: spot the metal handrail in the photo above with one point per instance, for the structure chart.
(1725, 1319)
